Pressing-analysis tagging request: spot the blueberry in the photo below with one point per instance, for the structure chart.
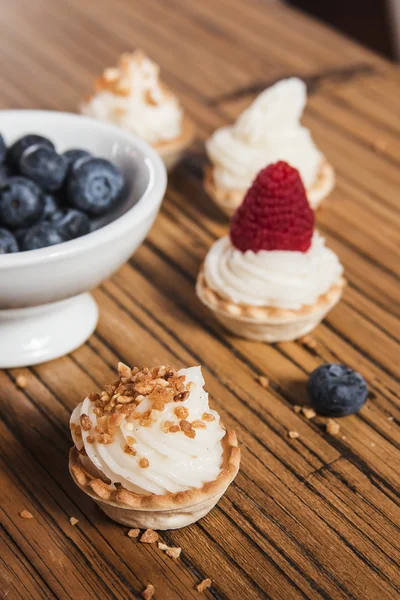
(40, 236)
(4, 173)
(21, 202)
(51, 206)
(19, 235)
(18, 147)
(44, 166)
(336, 390)
(75, 154)
(3, 149)
(8, 243)
(70, 223)
(94, 185)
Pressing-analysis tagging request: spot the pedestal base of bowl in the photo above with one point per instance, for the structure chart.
(29, 336)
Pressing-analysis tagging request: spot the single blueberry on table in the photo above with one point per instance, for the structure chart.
(18, 147)
(3, 149)
(40, 236)
(94, 185)
(21, 203)
(70, 223)
(44, 166)
(75, 154)
(336, 390)
(8, 243)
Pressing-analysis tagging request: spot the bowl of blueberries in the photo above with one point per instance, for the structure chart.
(77, 198)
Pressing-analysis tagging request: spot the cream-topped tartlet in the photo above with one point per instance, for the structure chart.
(268, 131)
(272, 279)
(132, 96)
(149, 449)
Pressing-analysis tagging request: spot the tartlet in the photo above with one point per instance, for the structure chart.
(272, 279)
(266, 132)
(132, 96)
(154, 457)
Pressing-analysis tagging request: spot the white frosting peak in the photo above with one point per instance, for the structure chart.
(132, 96)
(176, 462)
(266, 132)
(278, 278)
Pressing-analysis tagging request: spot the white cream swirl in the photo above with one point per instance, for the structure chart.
(266, 132)
(132, 97)
(278, 278)
(176, 462)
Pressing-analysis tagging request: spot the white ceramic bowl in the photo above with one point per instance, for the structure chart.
(45, 308)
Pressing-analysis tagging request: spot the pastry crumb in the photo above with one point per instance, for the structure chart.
(73, 520)
(297, 408)
(263, 381)
(133, 533)
(21, 381)
(203, 585)
(293, 434)
(173, 552)
(149, 537)
(308, 412)
(144, 463)
(380, 144)
(25, 514)
(390, 418)
(373, 444)
(332, 427)
(309, 341)
(162, 546)
(149, 592)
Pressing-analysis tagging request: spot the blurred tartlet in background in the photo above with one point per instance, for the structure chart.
(132, 96)
(269, 130)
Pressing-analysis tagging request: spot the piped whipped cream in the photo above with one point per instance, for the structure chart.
(266, 132)
(132, 96)
(159, 444)
(276, 278)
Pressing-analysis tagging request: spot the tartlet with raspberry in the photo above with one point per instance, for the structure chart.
(150, 451)
(272, 279)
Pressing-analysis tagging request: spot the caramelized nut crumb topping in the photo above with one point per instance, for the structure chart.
(85, 422)
(129, 450)
(181, 412)
(208, 417)
(197, 424)
(144, 463)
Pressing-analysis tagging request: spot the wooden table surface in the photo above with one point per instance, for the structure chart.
(315, 517)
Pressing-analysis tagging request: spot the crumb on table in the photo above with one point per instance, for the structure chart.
(293, 434)
(133, 533)
(21, 381)
(73, 520)
(203, 585)
(149, 536)
(332, 427)
(148, 593)
(263, 381)
(25, 514)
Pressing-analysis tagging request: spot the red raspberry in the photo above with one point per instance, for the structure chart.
(275, 214)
